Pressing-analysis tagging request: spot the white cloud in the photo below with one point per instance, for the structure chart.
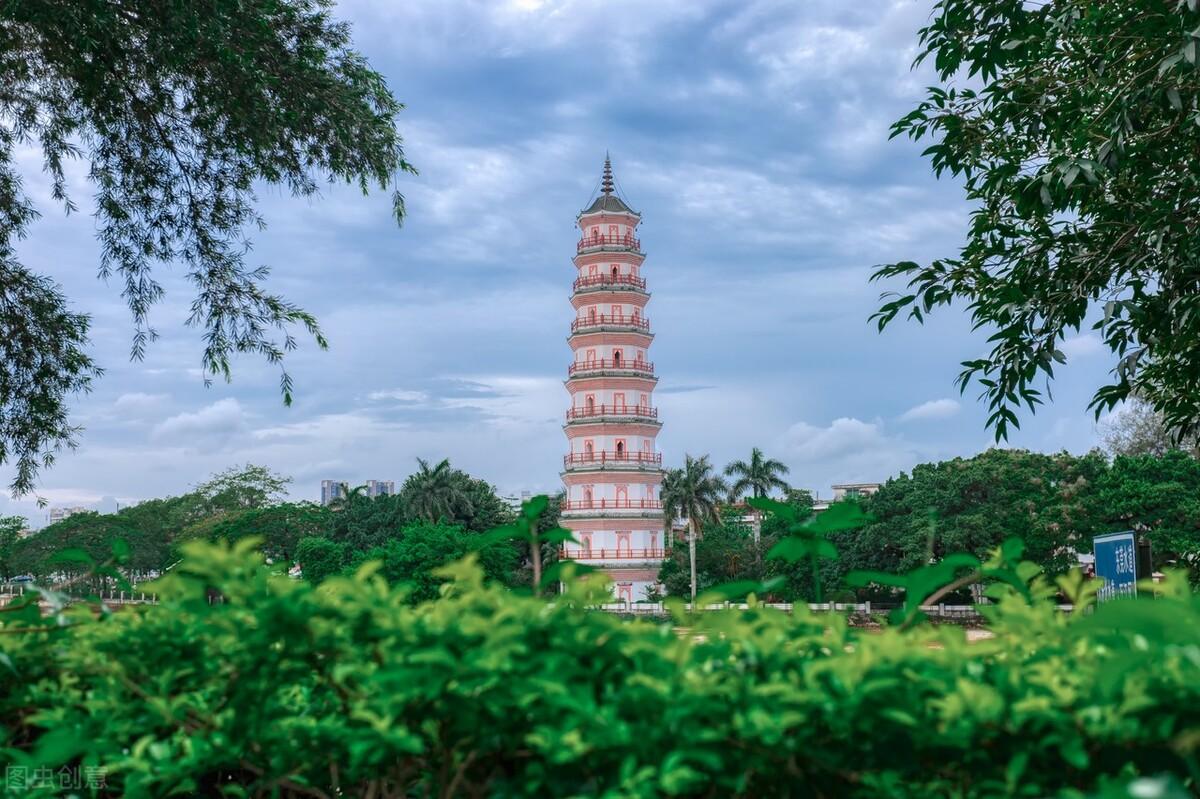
(843, 436)
(398, 394)
(137, 402)
(223, 418)
(847, 450)
(933, 409)
(1082, 346)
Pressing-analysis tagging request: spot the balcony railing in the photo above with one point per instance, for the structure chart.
(622, 320)
(628, 242)
(605, 457)
(612, 504)
(616, 554)
(602, 364)
(613, 281)
(612, 410)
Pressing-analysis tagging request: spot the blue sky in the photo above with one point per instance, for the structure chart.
(752, 135)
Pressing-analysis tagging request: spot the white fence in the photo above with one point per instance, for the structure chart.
(854, 608)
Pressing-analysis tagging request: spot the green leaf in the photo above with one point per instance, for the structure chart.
(534, 507)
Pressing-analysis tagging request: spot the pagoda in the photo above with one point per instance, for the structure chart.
(612, 472)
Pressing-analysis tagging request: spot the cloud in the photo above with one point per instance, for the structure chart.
(682, 388)
(1082, 346)
(138, 403)
(222, 419)
(399, 395)
(447, 337)
(848, 450)
(933, 409)
(841, 437)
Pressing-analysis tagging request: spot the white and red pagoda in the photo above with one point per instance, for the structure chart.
(613, 471)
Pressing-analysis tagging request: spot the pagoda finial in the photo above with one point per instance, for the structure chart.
(606, 185)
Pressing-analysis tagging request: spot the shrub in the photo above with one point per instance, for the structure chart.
(342, 688)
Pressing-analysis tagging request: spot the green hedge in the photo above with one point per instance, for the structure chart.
(344, 689)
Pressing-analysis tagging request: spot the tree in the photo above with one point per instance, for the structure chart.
(181, 111)
(281, 527)
(320, 557)
(1159, 497)
(695, 493)
(1138, 429)
(10, 533)
(433, 493)
(238, 488)
(973, 505)
(364, 522)
(349, 498)
(90, 532)
(420, 549)
(1078, 152)
(726, 552)
(759, 475)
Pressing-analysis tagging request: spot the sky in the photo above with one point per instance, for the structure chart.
(752, 135)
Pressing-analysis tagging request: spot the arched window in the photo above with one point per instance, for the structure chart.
(623, 547)
(585, 541)
(616, 358)
(592, 314)
(587, 497)
(595, 231)
(615, 272)
(590, 403)
(588, 450)
(622, 495)
(620, 449)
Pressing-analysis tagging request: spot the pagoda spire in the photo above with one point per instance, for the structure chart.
(606, 183)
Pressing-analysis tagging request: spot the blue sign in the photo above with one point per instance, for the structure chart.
(1116, 562)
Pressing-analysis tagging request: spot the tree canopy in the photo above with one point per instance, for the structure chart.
(178, 110)
(1073, 126)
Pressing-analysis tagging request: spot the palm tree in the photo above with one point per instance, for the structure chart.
(433, 493)
(348, 497)
(695, 493)
(759, 475)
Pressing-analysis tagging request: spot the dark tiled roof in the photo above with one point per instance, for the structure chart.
(609, 202)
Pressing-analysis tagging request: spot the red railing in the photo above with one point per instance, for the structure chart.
(612, 504)
(614, 554)
(640, 322)
(605, 456)
(609, 280)
(608, 363)
(612, 410)
(610, 241)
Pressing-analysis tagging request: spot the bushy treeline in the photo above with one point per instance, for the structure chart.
(435, 518)
(291, 689)
(1054, 503)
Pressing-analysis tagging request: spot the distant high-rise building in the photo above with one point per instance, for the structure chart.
(515, 502)
(331, 490)
(336, 489)
(58, 514)
(381, 488)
